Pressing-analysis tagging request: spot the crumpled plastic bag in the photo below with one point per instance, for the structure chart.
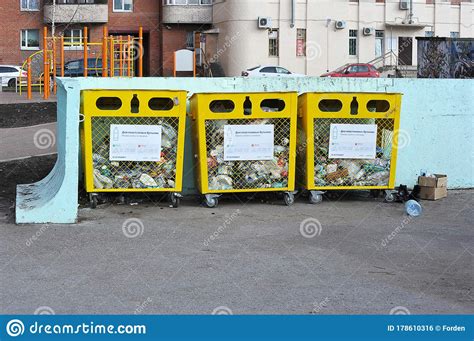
(221, 182)
(101, 181)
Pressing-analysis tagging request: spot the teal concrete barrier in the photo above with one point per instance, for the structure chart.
(436, 131)
(54, 199)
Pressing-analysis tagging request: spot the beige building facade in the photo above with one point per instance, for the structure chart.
(314, 36)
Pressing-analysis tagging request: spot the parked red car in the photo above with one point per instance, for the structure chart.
(354, 70)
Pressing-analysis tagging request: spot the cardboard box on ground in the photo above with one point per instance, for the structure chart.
(433, 187)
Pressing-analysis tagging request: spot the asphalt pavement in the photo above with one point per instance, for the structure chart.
(24, 142)
(352, 256)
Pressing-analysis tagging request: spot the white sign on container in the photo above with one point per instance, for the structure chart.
(353, 141)
(135, 142)
(249, 142)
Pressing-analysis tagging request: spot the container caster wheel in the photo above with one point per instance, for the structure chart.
(315, 197)
(175, 200)
(94, 199)
(289, 198)
(389, 197)
(211, 201)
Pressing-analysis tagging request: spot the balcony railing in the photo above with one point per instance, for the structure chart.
(84, 11)
(77, 2)
(187, 14)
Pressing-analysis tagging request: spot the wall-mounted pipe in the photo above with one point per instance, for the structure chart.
(293, 10)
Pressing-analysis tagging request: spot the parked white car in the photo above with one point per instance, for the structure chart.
(10, 73)
(269, 71)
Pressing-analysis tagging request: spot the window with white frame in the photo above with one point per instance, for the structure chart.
(30, 39)
(73, 39)
(123, 5)
(29, 5)
(187, 2)
(352, 42)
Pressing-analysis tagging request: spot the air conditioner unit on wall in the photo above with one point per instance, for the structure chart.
(403, 5)
(264, 22)
(368, 31)
(340, 24)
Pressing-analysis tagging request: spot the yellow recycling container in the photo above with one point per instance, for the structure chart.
(245, 142)
(348, 142)
(133, 141)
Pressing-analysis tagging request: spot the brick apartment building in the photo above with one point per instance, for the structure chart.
(167, 26)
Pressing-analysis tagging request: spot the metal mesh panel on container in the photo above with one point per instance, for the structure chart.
(247, 175)
(352, 172)
(131, 174)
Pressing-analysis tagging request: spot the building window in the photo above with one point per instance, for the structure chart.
(352, 42)
(29, 5)
(123, 5)
(301, 42)
(73, 39)
(190, 40)
(379, 45)
(273, 43)
(454, 34)
(30, 39)
(429, 34)
(187, 2)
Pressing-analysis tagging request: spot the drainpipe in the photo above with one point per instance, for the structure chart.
(410, 21)
(328, 22)
(293, 7)
(460, 19)
(53, 19)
